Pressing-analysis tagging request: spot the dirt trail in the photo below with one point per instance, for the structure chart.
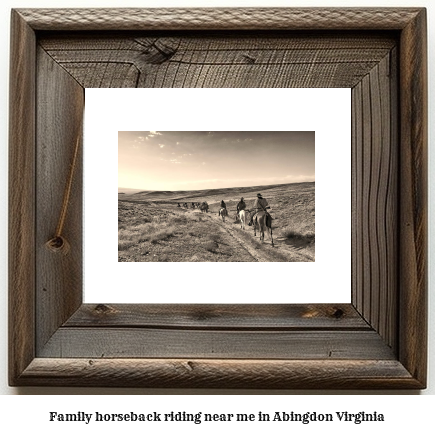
(235, 239)
(260, 252)
(230, 237)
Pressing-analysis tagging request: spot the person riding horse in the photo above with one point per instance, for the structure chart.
(241, 205)
(260, 204)
(203, 206)
(223, 206)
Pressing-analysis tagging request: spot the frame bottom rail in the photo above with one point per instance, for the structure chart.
(205, 373)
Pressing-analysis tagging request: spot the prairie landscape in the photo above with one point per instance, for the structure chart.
(153, 228)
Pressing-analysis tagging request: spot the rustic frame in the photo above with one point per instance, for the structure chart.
(378, 341)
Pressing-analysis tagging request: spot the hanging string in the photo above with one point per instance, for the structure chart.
(58, 244)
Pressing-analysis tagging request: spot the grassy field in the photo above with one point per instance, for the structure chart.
(151, 227)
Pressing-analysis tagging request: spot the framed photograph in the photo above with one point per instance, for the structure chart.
(171, 172)
(62, 57)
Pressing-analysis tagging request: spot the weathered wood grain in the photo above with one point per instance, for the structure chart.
(229, 374)
(392, 298)
(389, 203)
(126, 342)
(375, 198)
(220, 317)
(21, 197)
(220, 18)
(235, 60)
(60, 105)
(357, 199)
(413, 198)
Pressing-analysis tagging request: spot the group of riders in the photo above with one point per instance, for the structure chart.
(194, 205)
(260, 205)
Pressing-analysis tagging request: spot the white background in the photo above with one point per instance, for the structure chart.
(407, 412)
(325, 111)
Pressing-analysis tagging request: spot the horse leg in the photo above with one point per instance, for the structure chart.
(260, 228)
(265, 229)
(269, 228)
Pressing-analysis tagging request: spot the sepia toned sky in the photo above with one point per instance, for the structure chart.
(195, 160)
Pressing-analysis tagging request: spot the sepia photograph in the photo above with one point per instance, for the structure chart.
(216, 196)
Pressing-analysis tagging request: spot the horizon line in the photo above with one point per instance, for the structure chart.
(220, 188)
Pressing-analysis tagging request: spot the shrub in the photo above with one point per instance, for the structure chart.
(129, 237)
(298, 233)
(214, 237)
(178, 220)
(125, 244)
(210, 246)
(152, 232)
(162, 234)
(163, 258)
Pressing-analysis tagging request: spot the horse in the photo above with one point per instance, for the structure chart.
(242, 218)
(204, 207)
(261, 222)
(223, 213)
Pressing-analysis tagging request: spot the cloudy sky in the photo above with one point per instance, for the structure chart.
(195, 160)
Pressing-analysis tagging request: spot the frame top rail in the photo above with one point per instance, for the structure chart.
(219, 18)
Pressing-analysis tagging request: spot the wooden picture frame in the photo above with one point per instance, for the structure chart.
(376, 342)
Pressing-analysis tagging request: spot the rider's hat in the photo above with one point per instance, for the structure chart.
(259, 195)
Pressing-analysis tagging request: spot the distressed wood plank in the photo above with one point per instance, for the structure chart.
(214, 61)
(365, 192)
(209, 317)
(357, 199)
(155, 42)
(376, 233)
(392, 223)
(228, 374)
(413, 198)
(219, 18)
(375, 200)
(59, 276)
(98, 342)
(21, 197)
(388, 201)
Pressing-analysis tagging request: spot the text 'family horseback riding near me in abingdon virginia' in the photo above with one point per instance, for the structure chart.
(203, 417)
